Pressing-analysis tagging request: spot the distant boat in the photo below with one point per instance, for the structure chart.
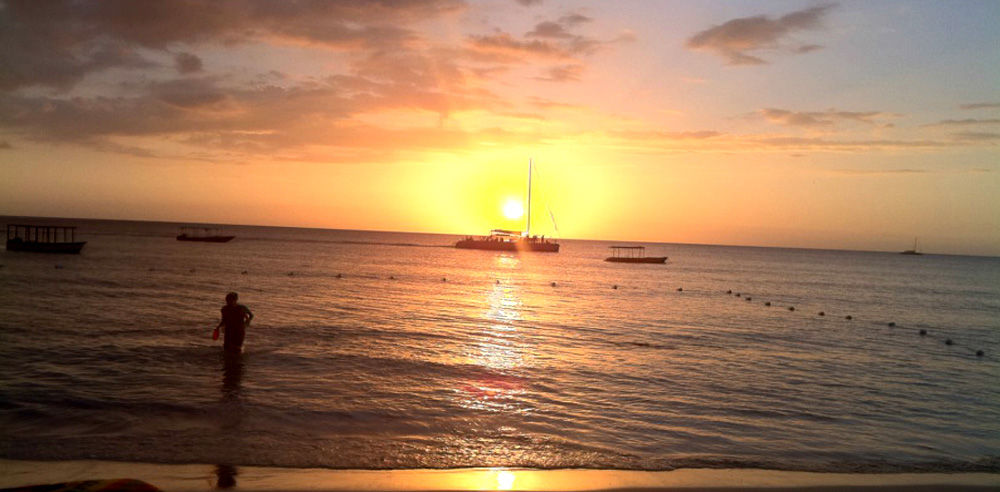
(508, 240)
(633, 254)
(203, 234)
(43, 239)
(913, 251)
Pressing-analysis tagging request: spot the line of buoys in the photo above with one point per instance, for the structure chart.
(890, 324)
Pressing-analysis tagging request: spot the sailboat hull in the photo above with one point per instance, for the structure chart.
(512, 246)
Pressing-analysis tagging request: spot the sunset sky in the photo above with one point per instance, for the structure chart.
(846, 124)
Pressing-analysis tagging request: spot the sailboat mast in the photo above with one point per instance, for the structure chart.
(527, 228)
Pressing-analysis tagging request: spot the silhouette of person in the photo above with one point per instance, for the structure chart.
(226, 476)
(235, 320)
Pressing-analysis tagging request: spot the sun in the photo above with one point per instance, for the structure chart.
(513, 209)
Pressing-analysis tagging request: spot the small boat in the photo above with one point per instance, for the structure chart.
(43, 239)
(913, 251)
(514, 241)
(203, 234)
(633, 254)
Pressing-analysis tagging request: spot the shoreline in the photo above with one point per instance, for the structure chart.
(205, 477)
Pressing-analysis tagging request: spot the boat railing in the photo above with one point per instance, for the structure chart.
(628, 251)
(41, 234)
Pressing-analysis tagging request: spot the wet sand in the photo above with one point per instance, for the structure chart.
(214, 477)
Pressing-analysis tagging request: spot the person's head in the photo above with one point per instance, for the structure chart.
(232, 297)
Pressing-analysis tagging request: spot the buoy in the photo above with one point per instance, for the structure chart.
(444, 279)
(749, 298)
(738, 294)
(339, 276)
(791, 308)
(768, 303)
(848, 317)
(245, 272)
(553, 284)
(291, 274)
(152, 269)
(892, 323)
(949, 342)
(980, 353)
(59, 267)
(729, 292)
(821, 313)
(614, 287)
(680, 289)
(191, 270)
(498, 282)
(392, 277)
(923, 332)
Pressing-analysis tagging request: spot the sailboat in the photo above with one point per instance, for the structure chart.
(913, 251)
(508, 240)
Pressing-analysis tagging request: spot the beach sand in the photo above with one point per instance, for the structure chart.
(210, 477)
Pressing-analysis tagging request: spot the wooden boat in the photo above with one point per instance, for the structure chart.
(514, 241)
(203, 234)
(43, 239)
(633, 254)
(913, 251)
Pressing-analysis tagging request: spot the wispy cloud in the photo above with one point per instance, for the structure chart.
(740, 40)
(980, 106)
(821, 118)
(964, 122)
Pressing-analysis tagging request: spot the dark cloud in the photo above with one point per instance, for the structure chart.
(529, 3)
(56, 43)
(736, 39)
(187, 63)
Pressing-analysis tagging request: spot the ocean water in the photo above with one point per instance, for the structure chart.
(387, 350)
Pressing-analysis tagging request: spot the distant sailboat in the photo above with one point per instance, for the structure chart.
(507, 240)
(913, 251)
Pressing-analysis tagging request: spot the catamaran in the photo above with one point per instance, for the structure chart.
(508, 240)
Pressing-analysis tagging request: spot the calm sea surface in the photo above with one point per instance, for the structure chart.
(387, 350)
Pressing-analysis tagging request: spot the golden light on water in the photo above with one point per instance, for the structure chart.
(505, 480)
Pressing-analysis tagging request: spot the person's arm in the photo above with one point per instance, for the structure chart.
(249, 315)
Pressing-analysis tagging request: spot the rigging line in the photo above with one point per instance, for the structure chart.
(548, 206)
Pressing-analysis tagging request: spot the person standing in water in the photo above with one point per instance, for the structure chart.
(235, 320)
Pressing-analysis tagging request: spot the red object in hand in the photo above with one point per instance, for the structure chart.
(215, 334)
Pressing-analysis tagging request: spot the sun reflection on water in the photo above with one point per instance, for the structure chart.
(499, 345)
